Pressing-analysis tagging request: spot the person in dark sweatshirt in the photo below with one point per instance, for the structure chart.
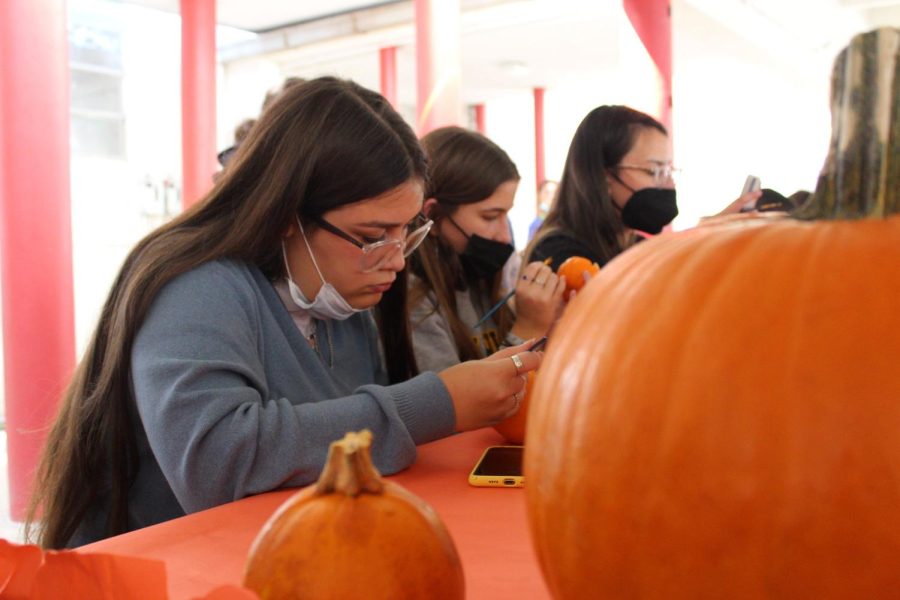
(240, 339)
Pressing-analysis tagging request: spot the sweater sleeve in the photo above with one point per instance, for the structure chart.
(432, 340)
(215, 426)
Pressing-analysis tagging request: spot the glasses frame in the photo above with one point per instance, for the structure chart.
(369, 248)
(659, 173)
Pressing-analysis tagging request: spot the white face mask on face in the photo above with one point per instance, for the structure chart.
(328, 303)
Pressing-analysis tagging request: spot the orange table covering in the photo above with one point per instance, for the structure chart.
(207, 549)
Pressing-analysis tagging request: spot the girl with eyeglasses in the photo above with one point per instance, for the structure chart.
(457, 275)
(617, 181)
(240, 339)
(618, 185)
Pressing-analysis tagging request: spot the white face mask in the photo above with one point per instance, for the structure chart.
(328, 303)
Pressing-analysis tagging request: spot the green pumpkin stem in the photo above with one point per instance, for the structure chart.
(349, 469)
(861, 176)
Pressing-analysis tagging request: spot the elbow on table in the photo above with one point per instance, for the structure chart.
(395, 462)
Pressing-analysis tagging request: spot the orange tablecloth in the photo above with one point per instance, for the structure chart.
(488, 525)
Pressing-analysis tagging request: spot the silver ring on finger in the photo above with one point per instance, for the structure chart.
(517, 362)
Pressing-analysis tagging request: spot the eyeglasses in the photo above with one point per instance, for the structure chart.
(660, 173)
(377, 254)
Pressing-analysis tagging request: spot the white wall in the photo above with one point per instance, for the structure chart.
(242, 89)
(740, 109)
(116, 202)
(113, 201)
(510, 123)
(737, 110)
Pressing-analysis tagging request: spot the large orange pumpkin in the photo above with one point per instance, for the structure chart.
(719, 412)
(719, 417)
(354, 535)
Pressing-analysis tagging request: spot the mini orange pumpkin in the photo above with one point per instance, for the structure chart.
(354, 535)
(573, 270)
(513, 428)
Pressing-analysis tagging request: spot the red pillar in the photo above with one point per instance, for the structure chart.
(35, 229)
(388, 69)
(652, 21)
(198, 98)
(437, 64)
(539, 171)
(480, 122)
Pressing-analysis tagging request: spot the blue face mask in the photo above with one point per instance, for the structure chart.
(328, 303)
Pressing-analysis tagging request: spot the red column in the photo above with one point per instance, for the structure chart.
(480, 123)
(539, 171)
(388, 69)
(437, 64)
(198, 98)
(35, 229)
(652, 21)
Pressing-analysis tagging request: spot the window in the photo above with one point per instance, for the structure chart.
(98, 120)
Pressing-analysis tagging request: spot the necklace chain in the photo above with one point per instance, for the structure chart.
(314, 342)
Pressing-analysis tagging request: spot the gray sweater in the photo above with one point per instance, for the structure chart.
(231, 400)
(433, 342)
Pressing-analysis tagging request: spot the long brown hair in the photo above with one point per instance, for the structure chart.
(294, 162)
(583, 208)
(464, 167)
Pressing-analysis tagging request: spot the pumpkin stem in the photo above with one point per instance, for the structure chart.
(349, 469)
(861, 176)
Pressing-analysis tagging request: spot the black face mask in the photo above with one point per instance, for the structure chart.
(650, 209)
(483, 258)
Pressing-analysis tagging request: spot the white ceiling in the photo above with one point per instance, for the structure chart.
(504, 44)
(518, 43)
(264, 15)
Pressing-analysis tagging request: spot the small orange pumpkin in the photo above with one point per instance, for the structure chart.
(353, 535)
(573, 270)
(513, 428)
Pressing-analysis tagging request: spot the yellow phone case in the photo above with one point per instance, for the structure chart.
(495, 479)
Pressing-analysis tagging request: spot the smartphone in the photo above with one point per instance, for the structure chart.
(538, 345)
(499, 466)
(751, 184)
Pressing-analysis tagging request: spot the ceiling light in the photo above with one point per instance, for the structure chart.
(515, 68)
